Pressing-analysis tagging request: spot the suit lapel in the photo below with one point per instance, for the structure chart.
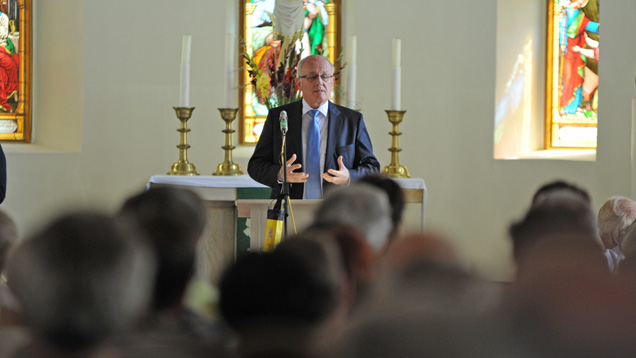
(334, 123)
(295, 144)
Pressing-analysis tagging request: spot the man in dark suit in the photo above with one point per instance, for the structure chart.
(345, 151)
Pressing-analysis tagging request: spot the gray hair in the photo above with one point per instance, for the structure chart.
(614, 217)
(361, 206)
(82, 279)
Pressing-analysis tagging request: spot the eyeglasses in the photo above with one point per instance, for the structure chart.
(312, 78)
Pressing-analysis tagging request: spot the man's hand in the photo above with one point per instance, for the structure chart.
(292, 177)
(338, 177)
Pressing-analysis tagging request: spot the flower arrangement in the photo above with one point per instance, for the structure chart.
(274, 81)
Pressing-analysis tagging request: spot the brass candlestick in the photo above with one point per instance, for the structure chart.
(183, 167)
(228, 167)
(395, 170)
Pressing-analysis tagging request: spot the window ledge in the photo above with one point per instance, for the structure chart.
(587, 155)
(34, 148)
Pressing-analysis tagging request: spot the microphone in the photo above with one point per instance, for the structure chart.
(283, 122)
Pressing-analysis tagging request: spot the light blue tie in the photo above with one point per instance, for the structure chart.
(312, 161)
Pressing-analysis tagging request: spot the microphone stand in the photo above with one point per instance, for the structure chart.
(285, 188)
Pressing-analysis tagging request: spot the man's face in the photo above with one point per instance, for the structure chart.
(316, 91)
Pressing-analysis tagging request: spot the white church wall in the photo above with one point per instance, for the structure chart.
(44, 177)
(128, 78)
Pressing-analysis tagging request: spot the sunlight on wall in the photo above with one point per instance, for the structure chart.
(513, 112)
(527, 96)
(633, 156)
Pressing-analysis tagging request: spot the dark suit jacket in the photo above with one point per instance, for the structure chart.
(347, 136)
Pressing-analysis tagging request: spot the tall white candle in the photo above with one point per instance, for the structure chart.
(230, 86)
(351, 73)
(351, 87)
(353, 48)
(397, 52)
(397, 76)
(184, 85)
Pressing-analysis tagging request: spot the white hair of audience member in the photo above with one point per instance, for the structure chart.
(614, 217)
(361, 206)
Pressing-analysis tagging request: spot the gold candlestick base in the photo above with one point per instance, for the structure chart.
(183, 166)
(398, 171)
(395, 169)
(228, 167)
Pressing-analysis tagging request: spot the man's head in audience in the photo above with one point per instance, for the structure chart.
(558, 191)
(569, 304)
(81, 280)
(559, 211)
(285, 285)
(361, 206)
(556, 226)
(421, 272)
(358, 258)
(173, 220)
(282, 300)
(395, 195)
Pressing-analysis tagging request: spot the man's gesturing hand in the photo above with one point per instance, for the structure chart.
(338, 177)
(292, 177)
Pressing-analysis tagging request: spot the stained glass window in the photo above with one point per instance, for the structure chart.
(321, 35)
(572, 74)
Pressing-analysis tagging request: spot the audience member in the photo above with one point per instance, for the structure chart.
(558, 191)
(421, 273)
(425, 304)
(551, 221)
(628, 245)
(554, 224)
(283, 303)
(395, 194)
(558, 211)
(614, 217)
(160, 345)
(569, 305)
(12, 333)
(361, 206)
(628, 248)
(9, 309)
(415, 246)
(173, 220)
(358, 258)
(421, 335)
(80, 281)
(12, 341)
